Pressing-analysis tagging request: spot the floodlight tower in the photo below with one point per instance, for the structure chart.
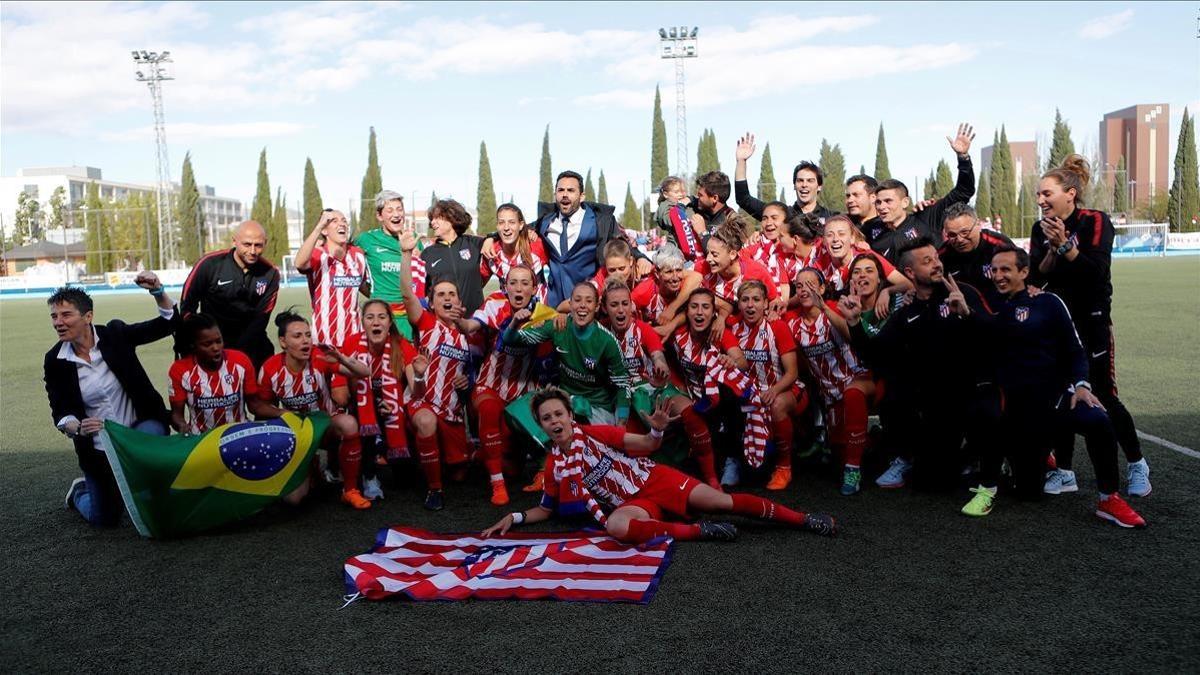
(679, 43)
(151, 69)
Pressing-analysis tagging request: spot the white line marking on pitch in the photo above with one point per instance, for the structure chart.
(1169, 445)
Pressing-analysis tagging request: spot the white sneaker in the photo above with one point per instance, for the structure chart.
(1059, 481)
(894, 476)
(732, 475)
(69, 501)
(371, 489)
(1139, 478)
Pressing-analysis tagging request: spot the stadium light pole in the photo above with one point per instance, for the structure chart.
(679, 43)
(152, 70)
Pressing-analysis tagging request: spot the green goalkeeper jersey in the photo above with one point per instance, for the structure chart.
(589, 362)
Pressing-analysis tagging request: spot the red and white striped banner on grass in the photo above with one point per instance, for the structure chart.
(572, 566)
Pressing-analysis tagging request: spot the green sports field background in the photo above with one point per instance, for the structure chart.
(910, 584)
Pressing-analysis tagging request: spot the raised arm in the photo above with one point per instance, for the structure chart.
(304, 255)
(741, 188)
(408, 243)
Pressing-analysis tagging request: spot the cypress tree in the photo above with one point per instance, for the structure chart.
(929, 186)
(191, 215)
(862, 169)
(782, 195)
(983, 198)
(313, 206)
(277, 235)
(602, 191)
(1061, 145)
(94, 225)
(707, 155)
(1004, 185)
(545, 175)
(589, 190)
(372, 182)
(1183, 205)
(766, 176)
(485, 202)
(943, 183)
(631, 216)
(1027, 206)
(1121, 187)
(882, 172)
(262, 211)
(659, 169)
(833, 165)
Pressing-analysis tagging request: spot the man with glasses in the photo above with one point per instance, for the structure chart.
(968, 248)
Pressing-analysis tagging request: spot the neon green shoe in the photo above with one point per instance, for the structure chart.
(981, 504)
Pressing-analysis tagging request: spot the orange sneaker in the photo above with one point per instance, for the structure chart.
(536, 485)
(780, 478)
(499, 493)
(355, 499)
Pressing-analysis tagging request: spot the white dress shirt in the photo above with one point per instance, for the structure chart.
(574, 225)
(103, 395)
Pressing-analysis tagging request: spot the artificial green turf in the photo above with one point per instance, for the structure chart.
(909, 585)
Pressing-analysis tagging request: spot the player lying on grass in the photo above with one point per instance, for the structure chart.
(590, 465)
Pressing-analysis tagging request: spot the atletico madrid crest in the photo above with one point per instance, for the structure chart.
(944, 310)
(464, 254)
(1022, 313)
(260, 287)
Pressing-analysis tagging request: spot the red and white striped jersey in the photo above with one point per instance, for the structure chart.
(213, 397)
(610, 475)
(637, 344)
(508, 368)
(726, 289)
(764, 346)
(333, 285)
(829, 357)
(500, 265)
(770, 254)
(449, 356)
(306, 391)
(694, 359)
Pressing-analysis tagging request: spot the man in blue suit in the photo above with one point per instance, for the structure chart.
(575, 233)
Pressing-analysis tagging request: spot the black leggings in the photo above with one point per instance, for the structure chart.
(1099, 347)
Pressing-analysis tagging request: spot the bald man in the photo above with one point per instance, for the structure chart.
(238, 288)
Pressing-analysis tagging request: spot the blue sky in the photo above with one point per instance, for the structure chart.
(307, 80)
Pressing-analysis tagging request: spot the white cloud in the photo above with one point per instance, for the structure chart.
(186, 132)
(1106, 26)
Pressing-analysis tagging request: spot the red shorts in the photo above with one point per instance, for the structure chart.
(666, 490)
(452, 436)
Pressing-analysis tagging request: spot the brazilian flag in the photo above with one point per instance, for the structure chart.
(179, 485)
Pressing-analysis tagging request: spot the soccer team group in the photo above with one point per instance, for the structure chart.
(639, 383)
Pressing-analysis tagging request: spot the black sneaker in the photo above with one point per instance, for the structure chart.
(69, 502)
(434, 501)
(714, 531)
(820, 523)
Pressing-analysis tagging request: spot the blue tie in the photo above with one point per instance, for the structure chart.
(562, 238)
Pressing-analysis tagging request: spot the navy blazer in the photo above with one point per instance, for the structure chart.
(118, 343)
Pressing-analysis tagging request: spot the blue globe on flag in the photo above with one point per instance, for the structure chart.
(257, 450)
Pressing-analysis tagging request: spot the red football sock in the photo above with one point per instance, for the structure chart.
(765, 509)
(491, 433)
(350, 460)
(701, 442)
(642, 531)
(431, 464)
(854, 404)
(781, 430)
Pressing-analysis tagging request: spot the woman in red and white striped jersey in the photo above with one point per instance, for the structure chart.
(304, 378)
(604, 471)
